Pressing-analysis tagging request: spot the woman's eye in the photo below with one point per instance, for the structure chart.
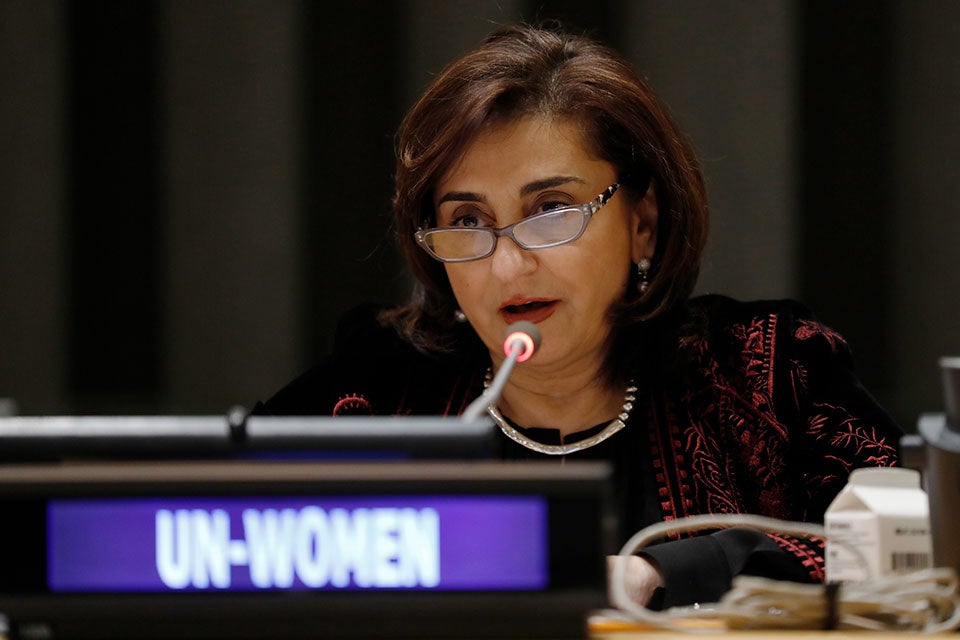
(550, 205)
(468, 219)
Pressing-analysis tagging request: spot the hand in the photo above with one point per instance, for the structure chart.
(641, 577)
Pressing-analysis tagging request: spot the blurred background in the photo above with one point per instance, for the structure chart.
(192, 191)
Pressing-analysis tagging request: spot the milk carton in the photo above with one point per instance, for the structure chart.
(885, 514)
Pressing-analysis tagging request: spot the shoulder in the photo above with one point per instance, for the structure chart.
(368, 370)
(725, 321)
(725, 310)
(784, 358)
(762, 345)
(361, 334)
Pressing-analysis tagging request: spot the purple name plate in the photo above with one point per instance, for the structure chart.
(298, 543)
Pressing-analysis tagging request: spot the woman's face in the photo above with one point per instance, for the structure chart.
(517, 169)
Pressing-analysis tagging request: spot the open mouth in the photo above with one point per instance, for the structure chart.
(533, 311)
(527, 306)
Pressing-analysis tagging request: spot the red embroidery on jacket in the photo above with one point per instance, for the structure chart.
(807, 329)
(716, 486)
(838, 428)
(739, 447)
(809, 551)
(658, 456)
(352, 404)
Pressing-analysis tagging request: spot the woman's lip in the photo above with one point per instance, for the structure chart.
(515, 312)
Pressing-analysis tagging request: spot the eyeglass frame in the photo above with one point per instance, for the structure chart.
(587, 210)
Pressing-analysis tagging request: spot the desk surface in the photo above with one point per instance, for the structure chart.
(756, 635)
(601, 628)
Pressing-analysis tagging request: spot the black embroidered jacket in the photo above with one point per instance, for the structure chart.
(758, 412)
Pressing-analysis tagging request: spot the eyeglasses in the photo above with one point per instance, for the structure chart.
(541, 231)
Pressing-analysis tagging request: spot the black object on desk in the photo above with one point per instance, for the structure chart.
(37, 438)
(239, 548)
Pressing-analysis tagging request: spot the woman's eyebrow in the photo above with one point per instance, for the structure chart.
(546, 183)
(527, 189)
(461, 196)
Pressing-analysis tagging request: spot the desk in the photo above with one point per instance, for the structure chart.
(756, 635)
(606, 629)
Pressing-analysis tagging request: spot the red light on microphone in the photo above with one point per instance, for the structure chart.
(527, 334)
(526, 345)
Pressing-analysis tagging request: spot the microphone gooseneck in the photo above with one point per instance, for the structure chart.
(521, 342)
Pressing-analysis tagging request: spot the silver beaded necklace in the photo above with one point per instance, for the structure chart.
(613, 427)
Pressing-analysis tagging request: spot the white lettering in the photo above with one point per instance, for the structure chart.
(313, 548)
(173, 547)
(211, 548)
(270, 540)
(385, 547)
(380, 548)
(350, 548)
(419, 551)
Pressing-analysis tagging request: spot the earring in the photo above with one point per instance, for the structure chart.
(459, 316)
(643, 270)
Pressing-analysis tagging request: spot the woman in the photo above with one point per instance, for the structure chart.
(540, 179)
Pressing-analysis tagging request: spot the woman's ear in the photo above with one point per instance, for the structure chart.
(645, 215)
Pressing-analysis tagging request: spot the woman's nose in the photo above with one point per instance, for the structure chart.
(509, 261)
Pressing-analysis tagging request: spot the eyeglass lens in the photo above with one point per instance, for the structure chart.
(544, 230)
(549, 228)
(456, 244)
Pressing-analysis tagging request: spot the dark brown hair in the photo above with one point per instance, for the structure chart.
(521, 71)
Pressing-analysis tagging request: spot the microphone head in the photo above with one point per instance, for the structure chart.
(526, 335)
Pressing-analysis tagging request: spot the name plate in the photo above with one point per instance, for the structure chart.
(299, 543)
(252, 549)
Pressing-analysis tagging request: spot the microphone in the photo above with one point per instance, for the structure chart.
(521, 342)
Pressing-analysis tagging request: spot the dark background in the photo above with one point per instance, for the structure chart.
(192, 192)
